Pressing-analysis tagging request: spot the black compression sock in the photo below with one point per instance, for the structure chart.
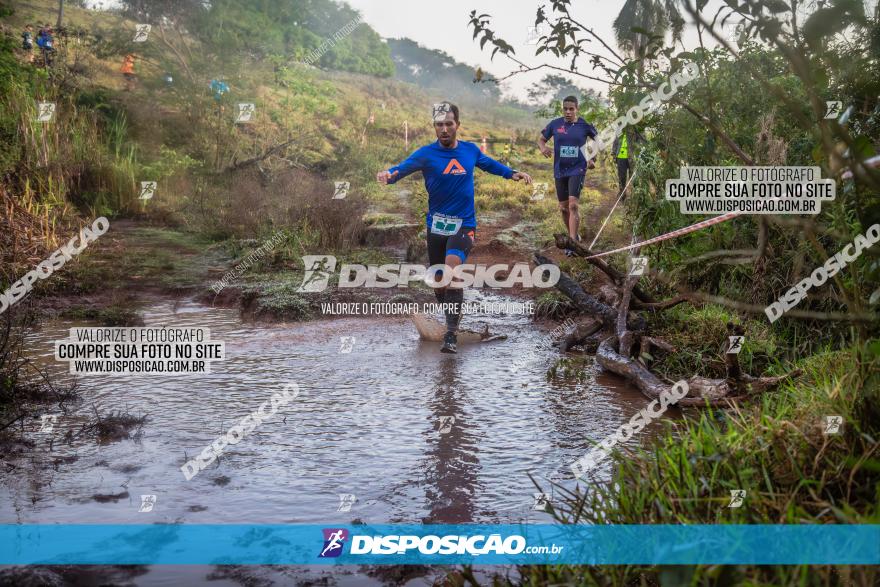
(453, 315)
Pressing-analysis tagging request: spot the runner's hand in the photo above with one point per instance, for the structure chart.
(520, 175)
(546, 152)
(384, 177)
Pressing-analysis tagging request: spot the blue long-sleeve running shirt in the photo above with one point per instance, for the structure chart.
(449, 179)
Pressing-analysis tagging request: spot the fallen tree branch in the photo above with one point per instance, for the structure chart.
(579, 335)
(268, 153)
(657, 306)
(563, 241)
(584, 301)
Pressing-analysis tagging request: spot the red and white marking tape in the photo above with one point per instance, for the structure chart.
(673, 234)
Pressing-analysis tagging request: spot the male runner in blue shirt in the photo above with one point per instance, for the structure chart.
(569, 134)
(448, 169)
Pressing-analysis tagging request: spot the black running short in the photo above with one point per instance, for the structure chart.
(458, 244)
(569, 187)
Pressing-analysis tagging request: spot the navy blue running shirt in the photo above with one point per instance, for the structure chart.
(568, 138)
(449, 179)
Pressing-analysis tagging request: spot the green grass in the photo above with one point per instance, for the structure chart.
(775, 449)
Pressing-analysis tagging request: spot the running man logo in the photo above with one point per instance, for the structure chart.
(833, 424)
(534, 34)
(346, 500)
(454, 168)
(142, 31)
(318, 268)
(539, 191)
(638, 265)
(446, 423)
(542, 502)
(47, 423)
(45, 111)
(347, 345)
(340, 189)
(148, 189)
(334, 539)
(736, 498)
(245, 112)
(147, 503)
(833, 108)
(439, 111)
(735, 344)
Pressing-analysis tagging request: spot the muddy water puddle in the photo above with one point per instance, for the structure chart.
(414, 435)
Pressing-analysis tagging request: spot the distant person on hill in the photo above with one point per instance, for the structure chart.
(46, 44)
(622, 154)
(127, 70)
(27, 43)
(447, 166)
(569, 134)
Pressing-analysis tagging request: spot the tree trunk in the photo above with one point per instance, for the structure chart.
(60, 14)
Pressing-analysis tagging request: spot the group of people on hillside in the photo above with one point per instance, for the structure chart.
(45, 41)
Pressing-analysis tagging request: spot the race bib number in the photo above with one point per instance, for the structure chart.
(566, 151)
(445, 225)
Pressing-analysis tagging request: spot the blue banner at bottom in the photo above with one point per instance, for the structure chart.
(218, 544)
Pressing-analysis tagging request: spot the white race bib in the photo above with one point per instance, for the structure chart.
(445, 225)
(567, 151)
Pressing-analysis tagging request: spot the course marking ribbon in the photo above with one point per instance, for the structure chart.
(673, 234)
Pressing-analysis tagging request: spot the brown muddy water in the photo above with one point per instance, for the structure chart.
(373, 423)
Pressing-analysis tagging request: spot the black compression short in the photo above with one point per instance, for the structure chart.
(569, 187)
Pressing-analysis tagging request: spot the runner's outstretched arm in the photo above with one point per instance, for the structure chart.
(409, 165)
(489, 165)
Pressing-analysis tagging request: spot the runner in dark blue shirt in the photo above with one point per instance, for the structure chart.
(569, 134)
(448, 168)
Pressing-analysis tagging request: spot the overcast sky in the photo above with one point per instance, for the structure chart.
(444, 26)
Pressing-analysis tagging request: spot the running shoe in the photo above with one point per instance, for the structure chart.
(569, 253)
(449, 343)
